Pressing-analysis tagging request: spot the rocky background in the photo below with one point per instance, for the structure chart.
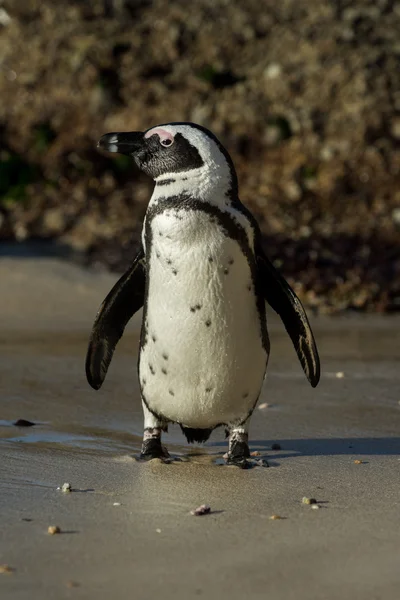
(305, 94)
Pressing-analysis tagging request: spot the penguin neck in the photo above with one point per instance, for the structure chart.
(212, 185)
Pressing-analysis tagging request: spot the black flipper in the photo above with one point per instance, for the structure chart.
(124, 300)
(280, 296)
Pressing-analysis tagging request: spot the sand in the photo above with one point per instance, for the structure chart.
(126, 528)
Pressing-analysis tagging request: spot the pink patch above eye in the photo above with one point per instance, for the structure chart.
(162, 134)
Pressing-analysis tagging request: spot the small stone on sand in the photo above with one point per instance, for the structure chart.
(276, 517)
(66, 488)
(6, 569)
(306, 500)
(158, 530)
(116, 503)
(315, 507)
(23, 423)
(339, 375)
(53, 529)
(204, 509)
(263, 406)
(72, 584)
(358, 461)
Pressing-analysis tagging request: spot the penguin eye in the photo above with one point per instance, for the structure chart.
(166, 142)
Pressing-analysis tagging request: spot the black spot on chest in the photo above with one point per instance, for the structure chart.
(229, 226)
(195, 307)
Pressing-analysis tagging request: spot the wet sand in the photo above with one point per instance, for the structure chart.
(148, 545)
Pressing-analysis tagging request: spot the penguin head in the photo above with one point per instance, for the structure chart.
(182, 151)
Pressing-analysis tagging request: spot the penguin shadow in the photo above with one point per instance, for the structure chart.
(355, 446)
(203, 456)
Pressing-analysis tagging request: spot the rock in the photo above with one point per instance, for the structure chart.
(306, 500)
(204, 509)
(53, 530)
(23, 423)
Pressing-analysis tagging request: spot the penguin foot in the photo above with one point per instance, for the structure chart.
(239, 453)
(238, 461)
(245, 463)
(152, 448)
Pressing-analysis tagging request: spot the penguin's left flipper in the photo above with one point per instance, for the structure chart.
(280, 296)
(123, 301)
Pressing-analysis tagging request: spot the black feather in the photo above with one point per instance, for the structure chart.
(196, 435)
(280, 296)
(124, 300)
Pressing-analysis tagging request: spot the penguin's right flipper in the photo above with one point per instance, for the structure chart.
(123, 301)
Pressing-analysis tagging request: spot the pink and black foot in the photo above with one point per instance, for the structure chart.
(239, 452)
(151, 446)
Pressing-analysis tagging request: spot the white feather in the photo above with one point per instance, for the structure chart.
(204, 362)
(208, 182)
(202, 367)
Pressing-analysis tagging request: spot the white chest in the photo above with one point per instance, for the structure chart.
(203, 361)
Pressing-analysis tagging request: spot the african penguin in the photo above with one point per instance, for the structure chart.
(203, 280)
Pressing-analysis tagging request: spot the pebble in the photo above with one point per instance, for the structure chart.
(116, 503)
(66, 487)
(306, 500)
(315, 507)
(204, 509)
(158, 530)
(339, 375)
(23, 423)
(276, 517)
(53, 529)
(6, 569)
(358, 461)
(263, 406)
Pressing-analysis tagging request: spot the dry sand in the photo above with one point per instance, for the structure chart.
(148, 545)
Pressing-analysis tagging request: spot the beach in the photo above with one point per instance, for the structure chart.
(126, 527)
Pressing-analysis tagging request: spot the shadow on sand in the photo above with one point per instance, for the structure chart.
(331, 447)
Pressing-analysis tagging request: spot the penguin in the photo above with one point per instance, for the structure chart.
(203, 280)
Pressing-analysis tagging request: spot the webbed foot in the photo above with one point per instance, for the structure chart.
(239, 453)
(151, 446)
(246, 463)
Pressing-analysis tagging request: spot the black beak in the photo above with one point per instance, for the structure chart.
(123, 143)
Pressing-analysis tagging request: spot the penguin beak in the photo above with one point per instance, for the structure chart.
(123, 143)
